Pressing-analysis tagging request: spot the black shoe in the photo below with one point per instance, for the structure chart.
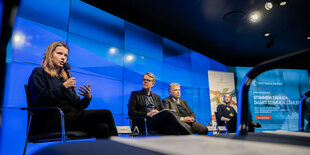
(254, 124)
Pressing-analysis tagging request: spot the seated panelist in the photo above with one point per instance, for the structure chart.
(227, 113)
(182, 110)
(51, 86)
(146, 104)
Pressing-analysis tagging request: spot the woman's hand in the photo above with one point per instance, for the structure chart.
(70, 83)
(85, 91)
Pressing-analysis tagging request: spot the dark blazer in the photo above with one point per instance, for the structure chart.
(170, 104)
(137, 104)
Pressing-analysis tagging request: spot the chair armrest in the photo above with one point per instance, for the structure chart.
(136, 118)
(141, 118)
(62, 120)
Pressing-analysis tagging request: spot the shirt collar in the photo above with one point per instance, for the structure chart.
(145, 93)
(177, 101)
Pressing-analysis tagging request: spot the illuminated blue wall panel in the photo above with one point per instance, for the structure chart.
(202, 109)
(106, 93)
(143, 42)
(14, 122)
(178, 75)
(217, 66)
(200, 67)
(96, 58)
(176, 54)
(136, 65)
(53, 13)
(30, 40)
(96, 24)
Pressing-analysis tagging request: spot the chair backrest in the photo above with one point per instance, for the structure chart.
(29, 99)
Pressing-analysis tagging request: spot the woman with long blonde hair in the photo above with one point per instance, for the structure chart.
(51, 86)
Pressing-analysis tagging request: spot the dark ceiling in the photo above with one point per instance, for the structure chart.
(220, 29)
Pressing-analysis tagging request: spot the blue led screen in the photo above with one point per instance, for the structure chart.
(96, 24)
(143, 42)
(30, 40)
(274, 97)
(104, 50)
(136, 65)
(54, 13)
(176, 54)
(92, 57)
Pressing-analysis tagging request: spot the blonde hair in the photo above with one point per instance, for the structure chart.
(47, 63)
(173, 85)
(150, 75)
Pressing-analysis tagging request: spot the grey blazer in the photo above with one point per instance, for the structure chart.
(170, 104)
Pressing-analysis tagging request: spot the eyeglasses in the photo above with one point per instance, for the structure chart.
(148, 80)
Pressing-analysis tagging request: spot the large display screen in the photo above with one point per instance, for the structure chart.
(274, 98)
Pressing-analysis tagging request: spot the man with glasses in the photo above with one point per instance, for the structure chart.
(146, 104)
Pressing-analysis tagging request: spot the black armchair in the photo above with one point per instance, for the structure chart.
(62, 135)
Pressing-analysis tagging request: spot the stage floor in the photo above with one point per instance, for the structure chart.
(211, 145)
(283, 143)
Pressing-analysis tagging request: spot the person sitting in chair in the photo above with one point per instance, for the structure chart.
(146, 104)
(50, 86)
(182, 110)
(227, 113)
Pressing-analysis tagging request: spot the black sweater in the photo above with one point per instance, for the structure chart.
(47, 91)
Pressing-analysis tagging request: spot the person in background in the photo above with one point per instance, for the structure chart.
(227, 113)
(50, 86)
(182, 110)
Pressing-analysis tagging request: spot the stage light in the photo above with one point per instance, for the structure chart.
(19, 39)
(267, 34)
(255, 16)
(308, 37)
(268, 6)
(130, 58)
(283, 3)
(112, 50)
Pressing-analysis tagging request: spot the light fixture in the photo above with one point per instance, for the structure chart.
(112, 50)
(308, 37)
(19, 39)
(255, 16)
(267, 34)
(283, 3)
(268, 6)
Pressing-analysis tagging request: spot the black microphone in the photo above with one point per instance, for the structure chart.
(67, 68)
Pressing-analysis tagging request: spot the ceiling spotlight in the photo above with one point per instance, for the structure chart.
(268, 6)
(255, 16)
(267, 34)
(283, 3)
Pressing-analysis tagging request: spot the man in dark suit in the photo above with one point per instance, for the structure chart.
(182, 110)
(146, 104)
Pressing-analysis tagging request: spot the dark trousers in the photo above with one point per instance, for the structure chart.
(167, 123)
(196, 127)
(98, 123)
(231, 125)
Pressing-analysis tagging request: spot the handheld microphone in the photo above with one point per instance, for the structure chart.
(67, 68)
